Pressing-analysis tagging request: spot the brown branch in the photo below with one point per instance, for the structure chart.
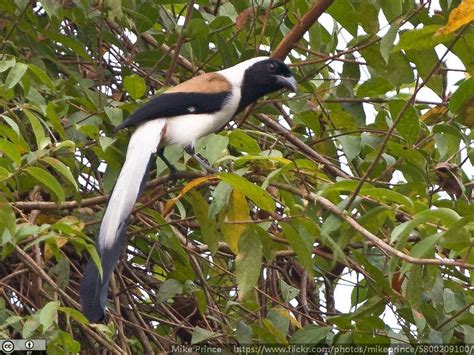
(179, 43)
(303, 147)
(53, 206)
(377, 100)
(297, 32)
(329, 206)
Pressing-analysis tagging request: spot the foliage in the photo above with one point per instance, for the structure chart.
(363, 176)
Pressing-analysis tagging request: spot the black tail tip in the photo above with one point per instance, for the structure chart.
(91, 294)
(93, 311)
(94, 315)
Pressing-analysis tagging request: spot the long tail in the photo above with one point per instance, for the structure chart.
(93, 289)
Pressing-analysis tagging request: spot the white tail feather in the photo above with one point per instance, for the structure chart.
(143, 143)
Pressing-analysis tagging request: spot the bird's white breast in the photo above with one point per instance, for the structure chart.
(186, 129)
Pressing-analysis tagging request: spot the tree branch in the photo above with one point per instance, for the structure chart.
(298, 31)
(303, 147)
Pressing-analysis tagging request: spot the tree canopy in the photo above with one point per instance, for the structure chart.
(361, 178)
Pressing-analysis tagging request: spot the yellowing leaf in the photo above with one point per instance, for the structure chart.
(48, 252)
(238, 211)
(248, 262)
(285, 313)
(434, 115)
(192, 184)
(460, 16)
(467, 117)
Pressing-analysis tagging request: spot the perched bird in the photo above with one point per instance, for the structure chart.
(181, 115)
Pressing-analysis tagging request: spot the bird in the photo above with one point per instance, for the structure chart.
(192, 109)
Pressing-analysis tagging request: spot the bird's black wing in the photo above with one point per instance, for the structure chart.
(176, 104)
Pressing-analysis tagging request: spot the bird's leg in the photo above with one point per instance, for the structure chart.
(201, 160)
(173, 171)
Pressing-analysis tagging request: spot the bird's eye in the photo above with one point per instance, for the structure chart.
(271, 67)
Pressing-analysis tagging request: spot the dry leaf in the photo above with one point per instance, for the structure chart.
(460, 16)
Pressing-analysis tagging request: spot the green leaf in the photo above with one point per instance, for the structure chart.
(444, 215)
(413, 288)
(10, 321)
(392, 9)
(197, 28)
(47, 314)
(168, 290)
(114, 114)
(398, 70)
(426, 247)
(7, 221)
(386, 44)
(461, 96)
(212, 147)
(288, 292)
(280, 319)
(201, 334)
(135, 86)
(6, 64)
(62, 169)
(48, 180)
(310, 334)
(342, 119)
(182, 269)
(344, 12)
(68, 42)
(207, 224)
(389, 195)
(458, 236)
(95, 257)
(15, 74)
(270, 334)
(453, 301)
(463, 50)
(259, 196)
(243, 142)
(368, 16)
(425, 60)
(243, 333)
(114, 9)
(351, 146)
(10, 150)
(29, 327)
(224, 50)
(37, 129)
(41, 75)
(419, 39)
(374, 87)
(302, 243)
(106, 142)
(248, 262)
(409, 125)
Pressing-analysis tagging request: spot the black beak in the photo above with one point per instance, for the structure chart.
(287, 82)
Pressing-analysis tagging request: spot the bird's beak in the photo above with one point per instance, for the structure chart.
(287, 81)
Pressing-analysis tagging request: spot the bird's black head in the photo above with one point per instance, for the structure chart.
(263, 77)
